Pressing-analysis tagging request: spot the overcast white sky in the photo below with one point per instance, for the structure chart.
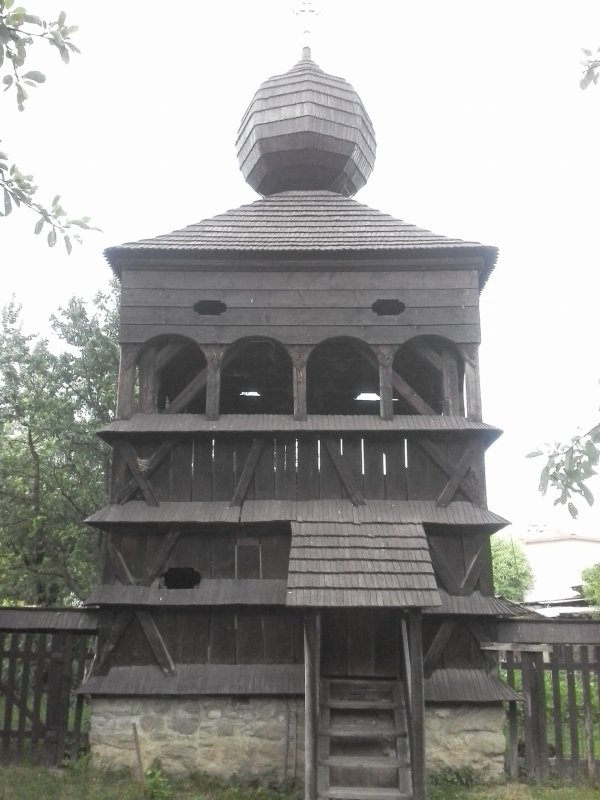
(482, 130)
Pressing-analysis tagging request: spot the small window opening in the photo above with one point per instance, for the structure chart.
(180, 578)
(388, 308)
(211, 308)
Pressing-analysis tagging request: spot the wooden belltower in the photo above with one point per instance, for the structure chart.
(298, 523)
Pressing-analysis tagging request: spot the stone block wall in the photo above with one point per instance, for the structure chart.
(264, 736)
(459, 736)
(223, 736)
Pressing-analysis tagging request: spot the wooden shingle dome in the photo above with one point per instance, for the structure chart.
(306, 130)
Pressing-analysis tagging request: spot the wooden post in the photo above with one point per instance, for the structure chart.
(385, 357)
(214, 360)
(148, 382)
(450, 382)
(299, 355)
(126, 386)
(311, 680)
(472, 384)
(417, 720)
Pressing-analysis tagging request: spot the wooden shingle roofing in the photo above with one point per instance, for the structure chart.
(369, 565)
(304, 221)
(259, 511)
(285, 423)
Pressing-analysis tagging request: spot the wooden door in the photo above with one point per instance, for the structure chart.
(360, 642)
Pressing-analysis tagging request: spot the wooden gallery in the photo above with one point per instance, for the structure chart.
(296, 572)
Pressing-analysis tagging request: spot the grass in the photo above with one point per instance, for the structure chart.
(79, 782)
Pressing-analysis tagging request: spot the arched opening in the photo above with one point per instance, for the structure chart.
(257, 379)
(434, 368)
(172, 376)
(342, 378)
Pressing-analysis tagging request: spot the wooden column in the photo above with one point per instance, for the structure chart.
(214, 360)
(148, 382)
(385, 357)
(451, 389)
(311, 700)
(472, 385)
(417, 720)
(126, 386)
(299, 355)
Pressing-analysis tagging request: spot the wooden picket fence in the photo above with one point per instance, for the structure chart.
(43, 657)
(555, 730)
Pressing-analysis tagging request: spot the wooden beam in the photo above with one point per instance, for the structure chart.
(437, 647)
(460, 470)
(127, 452)
(450, 385)
(156, 642)
(126, 385)
(148, 384)
(417, 719)
(167, 354)
(160, 557)
(152, 464)
(406, 392)
(344, 471)
(440, 459)
(474, 570)
(215, 359)
(470, 355)
(189, 394)
(299, 355)
(258, 445)
(385, 356)
(117, 630)
(311, 719)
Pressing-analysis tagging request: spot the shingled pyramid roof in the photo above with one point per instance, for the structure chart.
(304, 221)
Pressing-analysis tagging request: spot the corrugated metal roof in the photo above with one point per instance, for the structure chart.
(466, 686)
(200, 679)
(257, 511)
(301, 221)
(214, 592)
(48, 619)
(344, 564)
(282, 423)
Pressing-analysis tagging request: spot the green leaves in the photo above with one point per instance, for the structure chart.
(591, 72)
(53, 469)
(568, 467)
(512, 574)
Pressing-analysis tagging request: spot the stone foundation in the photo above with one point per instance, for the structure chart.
(259, 736)
(222, 736)
(459, 736)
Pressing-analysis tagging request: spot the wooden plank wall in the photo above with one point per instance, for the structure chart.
(219, 635)
(299, 307)
(290, 468)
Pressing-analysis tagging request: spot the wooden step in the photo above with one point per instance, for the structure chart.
(363, 793)
(376, 705)
(364, 761)
(379, 732)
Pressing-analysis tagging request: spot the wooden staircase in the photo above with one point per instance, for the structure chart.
(363, 741)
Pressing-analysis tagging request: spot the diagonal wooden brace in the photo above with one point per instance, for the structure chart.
(248, 471)
(465, 483)
(458, 476)
(155, 640)
(152, 464)
(437, 646)
(343, 470)
(140, 479)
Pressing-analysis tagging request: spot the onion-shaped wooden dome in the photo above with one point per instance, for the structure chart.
(306, 130)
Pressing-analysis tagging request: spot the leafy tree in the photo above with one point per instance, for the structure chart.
(568, 467)
(591, 585)
(591, 68)
(19, 31)
(512, 574)
(53, 469)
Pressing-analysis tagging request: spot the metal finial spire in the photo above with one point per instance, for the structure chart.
(307, 13)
